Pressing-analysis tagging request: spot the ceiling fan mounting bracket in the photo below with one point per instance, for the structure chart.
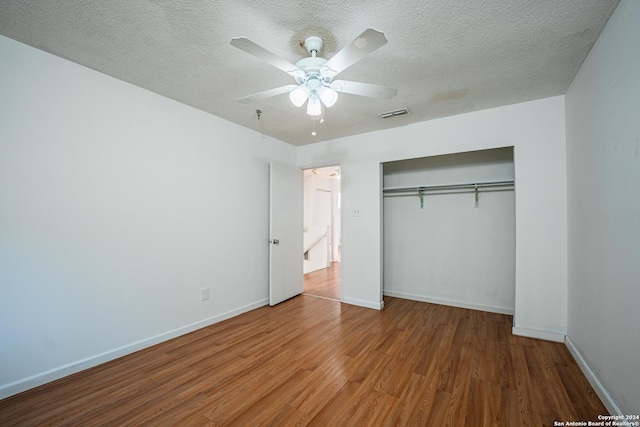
(313, 44)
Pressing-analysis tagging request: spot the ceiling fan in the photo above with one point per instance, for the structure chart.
(314, 75)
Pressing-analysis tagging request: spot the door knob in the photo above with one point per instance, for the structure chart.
(274, 241)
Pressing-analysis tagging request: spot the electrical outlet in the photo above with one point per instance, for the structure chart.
(356, 212)
(205, 294)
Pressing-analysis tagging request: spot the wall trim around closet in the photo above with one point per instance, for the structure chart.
(538, 334)
(452, 303)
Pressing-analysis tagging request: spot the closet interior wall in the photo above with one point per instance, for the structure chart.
(451, 250)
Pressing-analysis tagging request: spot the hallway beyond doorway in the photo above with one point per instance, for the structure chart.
(324, 283)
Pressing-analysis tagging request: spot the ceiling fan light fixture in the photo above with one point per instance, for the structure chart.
(299, 96)
(328, 96)
(314, 106)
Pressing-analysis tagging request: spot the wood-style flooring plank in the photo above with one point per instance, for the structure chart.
(313, 361)
(324, 282)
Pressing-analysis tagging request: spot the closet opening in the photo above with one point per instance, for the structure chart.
(322, 238)
(449, 230)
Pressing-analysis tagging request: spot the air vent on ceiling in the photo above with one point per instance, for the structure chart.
(394, 113)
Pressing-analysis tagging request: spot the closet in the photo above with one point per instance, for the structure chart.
(449, 229)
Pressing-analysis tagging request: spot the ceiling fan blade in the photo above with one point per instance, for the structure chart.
(259, 52)
(363, 89)
(362, 46)
(267, 94)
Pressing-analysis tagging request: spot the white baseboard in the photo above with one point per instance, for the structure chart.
(593, 379)
(89, 362)
(453, 303)
(538, 334)
(362, 303)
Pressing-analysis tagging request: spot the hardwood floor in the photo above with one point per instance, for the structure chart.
(324, 283)
(313, 361)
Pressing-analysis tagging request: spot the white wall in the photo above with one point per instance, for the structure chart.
(317, 210)
(535, 130)
(603, 169)
(116, 207)
(336, 216)
(450, 251)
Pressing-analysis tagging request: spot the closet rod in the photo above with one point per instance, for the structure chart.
(471, 186)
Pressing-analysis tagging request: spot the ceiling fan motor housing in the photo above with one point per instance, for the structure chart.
(312, 68)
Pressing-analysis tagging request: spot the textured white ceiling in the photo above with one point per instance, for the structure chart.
(445, 57)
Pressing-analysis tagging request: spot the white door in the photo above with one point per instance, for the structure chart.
(285, 233)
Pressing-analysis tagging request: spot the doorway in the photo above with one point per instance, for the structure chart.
(322, 235)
